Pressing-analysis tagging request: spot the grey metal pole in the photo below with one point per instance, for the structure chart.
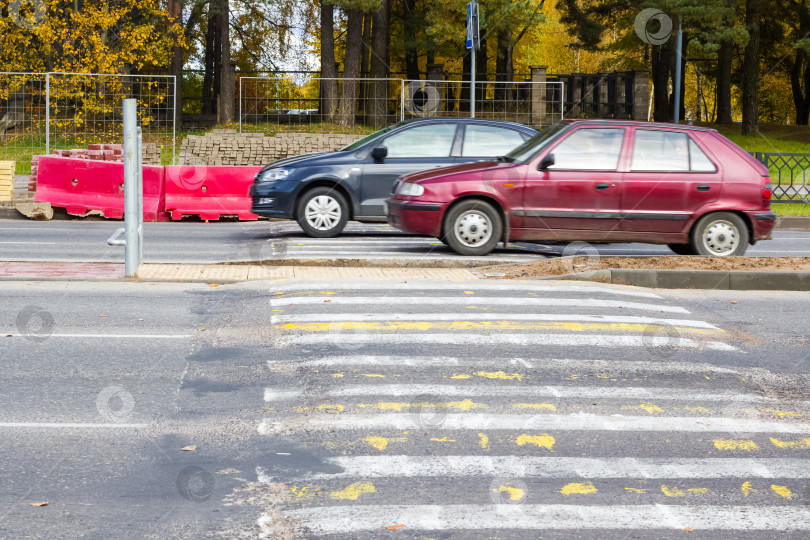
(678, 61)
(472, 81)
(139, 157)
(130, 188)
(47, 114)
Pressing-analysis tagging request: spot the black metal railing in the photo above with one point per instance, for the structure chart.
(790, 175)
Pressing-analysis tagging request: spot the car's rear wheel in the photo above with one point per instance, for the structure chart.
(682, 249)
(473, 227)
(721, 234)
(322, 212)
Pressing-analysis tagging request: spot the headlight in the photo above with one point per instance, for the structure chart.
(272, 175)
(409, 189)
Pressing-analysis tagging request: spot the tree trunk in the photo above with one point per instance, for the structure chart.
(799, 79)
(379, 62)
(501, 69)
(213, 51)
(227, 78)
(411, 53)
(328, 69)
(480, 73)
(660, 75)
(364, 63)
(464, 92)
(699, 112)
(176, 11)
(724, 82)
(750, 85)
(351, 67)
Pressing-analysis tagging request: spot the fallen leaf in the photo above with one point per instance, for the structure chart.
(102, 315)
(213, 284)
(201, 329)
(688, 529)
(140, 319)
(394, 527)
(12, 335)
(733, 301)
(325, 301)
(38, 504)
(189, 448)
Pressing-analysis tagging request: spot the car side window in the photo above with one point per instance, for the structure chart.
(433, 140)
(591, 149)
(655, 150)
(489, 141)
(698, 161)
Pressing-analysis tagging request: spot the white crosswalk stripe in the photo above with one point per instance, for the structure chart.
(469, 406)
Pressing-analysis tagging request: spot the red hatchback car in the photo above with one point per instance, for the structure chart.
(597, 181)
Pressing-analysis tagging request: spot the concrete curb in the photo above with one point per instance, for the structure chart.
(737, 280)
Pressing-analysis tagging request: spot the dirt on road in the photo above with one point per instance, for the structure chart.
(569, 265)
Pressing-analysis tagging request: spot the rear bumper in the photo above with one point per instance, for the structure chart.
(763, 223)
(419, 218)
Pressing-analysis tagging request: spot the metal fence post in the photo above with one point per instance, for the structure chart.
(139, 158)
(174, 116)
(402, 101)
(240, 104)
(47, 114)
(131, 187)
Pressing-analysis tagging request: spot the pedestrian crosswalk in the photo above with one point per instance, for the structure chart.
(507, 409)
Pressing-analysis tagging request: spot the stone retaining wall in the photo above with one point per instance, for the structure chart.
(227, 147)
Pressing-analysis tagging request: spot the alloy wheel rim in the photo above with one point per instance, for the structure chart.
(473, 228)
(721, 238)
(322, 212)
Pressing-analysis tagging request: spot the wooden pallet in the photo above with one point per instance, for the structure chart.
(6, 180)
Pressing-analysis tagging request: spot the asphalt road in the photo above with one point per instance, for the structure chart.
(254, 241)
(370, 409)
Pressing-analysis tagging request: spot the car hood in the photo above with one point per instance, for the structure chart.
(455, 170)
(304, 159)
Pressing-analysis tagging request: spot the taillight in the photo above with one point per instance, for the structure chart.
(766, 187)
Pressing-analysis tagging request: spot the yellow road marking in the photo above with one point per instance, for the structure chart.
(782, 491)
(515, 494)
(381, 443)
(649, 407)
(802, 444)
(499, 375)
(305, 492)
(337, 375)
(747, 489)
(541, 441)
(353, 492)
(576, 488)
(460, 376)
(635, 490)
(676, 492)
(484, 442)
(443, 439)
(733, 444)
(464, 405)
(324, 407)
(782, 414)
(378, 375)
(548, 406)
(699, 409)
(399, 326)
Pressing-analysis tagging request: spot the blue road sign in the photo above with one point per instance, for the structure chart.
(473, 39)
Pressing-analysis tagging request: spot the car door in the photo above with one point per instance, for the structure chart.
(582, 189)
(409, 150)
(670, 178)
(482, 141)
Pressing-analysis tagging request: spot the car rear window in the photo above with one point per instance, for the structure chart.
(668, 151)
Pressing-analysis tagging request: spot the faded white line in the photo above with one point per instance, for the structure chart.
(467, 316)
(525, 340)
(561, 422)
(71, 425)
(472, 300)
(553, 467)
(345, 519)
(562, 392)
(105, 336)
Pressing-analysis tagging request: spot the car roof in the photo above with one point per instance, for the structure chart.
(637, 123)
(467, 120)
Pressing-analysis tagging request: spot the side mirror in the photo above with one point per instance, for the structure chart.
(546, 162)
(379, 153)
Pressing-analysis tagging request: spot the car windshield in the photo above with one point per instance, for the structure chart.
(529, 149)
(368, 138)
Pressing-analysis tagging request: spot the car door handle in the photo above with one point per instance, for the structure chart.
(704, 187)
(602, 186)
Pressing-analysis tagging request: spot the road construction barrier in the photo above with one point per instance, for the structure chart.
(82, 185)
(209, 192)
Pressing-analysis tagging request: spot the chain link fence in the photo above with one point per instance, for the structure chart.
(43, 112)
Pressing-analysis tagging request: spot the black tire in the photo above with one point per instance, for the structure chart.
(720, 234)
(473, 227)
(682, 249)
(332, 218)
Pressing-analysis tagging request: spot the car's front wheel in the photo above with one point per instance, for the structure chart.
(721, 234)
(322, 212)
(473, 227)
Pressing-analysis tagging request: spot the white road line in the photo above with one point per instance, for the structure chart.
(545, 422)
(525, 340)
(467, 316)
(473, 300)
(345, 520)
(105, 336)
(33, 243)
(555, 467)
(437, 391)
(523, 287)
(59, 425)
(566, 364)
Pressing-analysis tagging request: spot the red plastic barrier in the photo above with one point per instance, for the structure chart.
(209, 192)
(81, 185)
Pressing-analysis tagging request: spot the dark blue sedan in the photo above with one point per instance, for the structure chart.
(322, 191)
